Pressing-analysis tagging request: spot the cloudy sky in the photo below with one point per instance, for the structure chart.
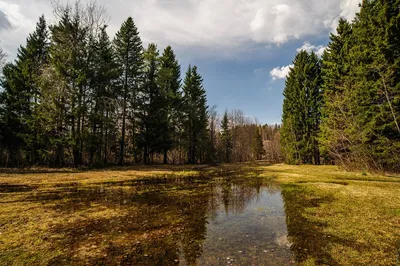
(243, 48)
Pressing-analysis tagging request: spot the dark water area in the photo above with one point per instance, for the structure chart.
(228, 220)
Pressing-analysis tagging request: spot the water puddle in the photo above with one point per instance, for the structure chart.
(195, 221)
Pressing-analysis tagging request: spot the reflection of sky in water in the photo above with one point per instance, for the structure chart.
(254, 234)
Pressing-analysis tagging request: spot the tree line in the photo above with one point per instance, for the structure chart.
(76, 97)
(344, 108)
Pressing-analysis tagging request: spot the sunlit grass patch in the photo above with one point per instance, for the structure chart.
(360, 220)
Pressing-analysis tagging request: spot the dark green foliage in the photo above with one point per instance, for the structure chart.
(128, 46)
(75, 98)
(169, 82)
(301, 110)
(21, 127)
(257, 145)
(103, 98)
(362, 89)
(152, 122)
(226, 138)
(195, 116)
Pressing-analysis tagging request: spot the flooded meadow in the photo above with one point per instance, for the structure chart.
(220, 220)
(211, 216)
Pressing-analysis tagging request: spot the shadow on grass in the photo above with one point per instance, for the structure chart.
(309, 239)
(139, 167)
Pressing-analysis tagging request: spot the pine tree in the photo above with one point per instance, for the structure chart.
(129, 50)
(226, 138)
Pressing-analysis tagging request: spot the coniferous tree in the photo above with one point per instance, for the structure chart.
(226, 138)
(68, 51)
(170, 82)
(257, 145)
(152, 122)
(128, 46)
(22, 93)
(336, 65)
(13, 109)
(195, 115)
(301, 110)
(103, 97)
(361, 115)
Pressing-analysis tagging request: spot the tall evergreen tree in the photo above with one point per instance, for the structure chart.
(22, 91)
(336, 66)
(152, 122)
(129, 50)
(68, 57)
(226, 138)
(195, 115)
(301, 110)
(170, 83)
(12, 111)
(103, 97)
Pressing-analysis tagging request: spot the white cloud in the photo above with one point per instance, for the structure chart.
(280, 72)
(317, 49)
(217, 25)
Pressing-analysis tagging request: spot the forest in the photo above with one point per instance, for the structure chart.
(344, 108)
(75, 97)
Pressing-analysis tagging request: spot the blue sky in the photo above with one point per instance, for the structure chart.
(243, 48)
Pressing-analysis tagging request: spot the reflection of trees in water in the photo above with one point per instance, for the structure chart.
(169, 219)
(231, 195)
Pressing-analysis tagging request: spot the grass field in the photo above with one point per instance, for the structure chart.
(333, 217)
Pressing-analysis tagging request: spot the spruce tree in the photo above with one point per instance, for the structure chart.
(226, 138)
(104, 92)
(336, 66)
(301, 110)
(152, 114)
(22, 92)
(195, 115)
(169, 81)
(257, 145)
(361, 115)
(69, 58)
(128, 46)
(12, 112)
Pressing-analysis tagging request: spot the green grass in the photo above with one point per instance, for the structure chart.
(340, 218)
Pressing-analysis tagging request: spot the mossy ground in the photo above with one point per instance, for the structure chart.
(333, 217)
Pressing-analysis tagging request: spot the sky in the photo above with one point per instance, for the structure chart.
(242, 48)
